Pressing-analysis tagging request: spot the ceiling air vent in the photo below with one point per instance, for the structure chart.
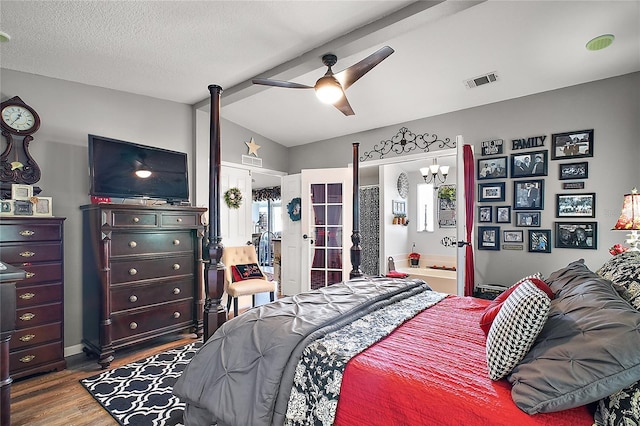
(248, 160)
(491, 77)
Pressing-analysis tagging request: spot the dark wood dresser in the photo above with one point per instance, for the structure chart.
(142, 274)
(35, 245)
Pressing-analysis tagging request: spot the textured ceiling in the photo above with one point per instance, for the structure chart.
(174, 49)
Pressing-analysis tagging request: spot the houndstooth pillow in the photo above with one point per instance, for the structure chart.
(620, 409)
(515, 328)
(623, 270)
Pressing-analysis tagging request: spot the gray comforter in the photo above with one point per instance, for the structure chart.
(244, 372)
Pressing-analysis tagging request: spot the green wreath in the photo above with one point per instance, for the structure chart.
(233, 198)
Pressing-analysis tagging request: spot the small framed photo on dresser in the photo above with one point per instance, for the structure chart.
(21, 192)
(6, 207)
(42, 207)
(23, 208)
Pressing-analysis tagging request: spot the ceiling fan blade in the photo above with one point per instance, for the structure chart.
(352, 74)
(343, 106)
(280, 83)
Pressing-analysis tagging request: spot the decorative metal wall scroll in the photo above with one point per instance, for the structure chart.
(406, 141)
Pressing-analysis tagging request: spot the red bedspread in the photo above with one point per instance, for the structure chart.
(432, 371)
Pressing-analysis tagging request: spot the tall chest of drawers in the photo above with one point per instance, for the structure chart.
(35, 245)
(142, 275)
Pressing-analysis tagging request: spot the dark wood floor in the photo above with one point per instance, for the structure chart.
(58, 398)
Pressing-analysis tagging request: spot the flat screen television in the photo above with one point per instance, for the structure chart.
(123, 169)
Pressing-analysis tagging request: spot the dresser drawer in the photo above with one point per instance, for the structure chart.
(136, 296)
(179, 219)
(37, 315)
(144, 269)
(126, 218)
(33, 252)
(156, 318)
(37, 295)
(24, 232)
(29, 358)
(132, 243)
(36, 336)
(41, 272)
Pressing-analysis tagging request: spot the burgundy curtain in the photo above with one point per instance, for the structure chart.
(469, 191)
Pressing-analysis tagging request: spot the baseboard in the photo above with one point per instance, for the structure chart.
(73, 350)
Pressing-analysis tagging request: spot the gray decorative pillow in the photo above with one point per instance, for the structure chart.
(620, 409)
(586, 351)
(515, 328)
(624, 271)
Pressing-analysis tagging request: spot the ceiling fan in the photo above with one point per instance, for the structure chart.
(330, 87)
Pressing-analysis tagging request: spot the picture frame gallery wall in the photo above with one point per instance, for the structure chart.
(520, 168)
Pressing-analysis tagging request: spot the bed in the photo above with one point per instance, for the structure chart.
(375, 350)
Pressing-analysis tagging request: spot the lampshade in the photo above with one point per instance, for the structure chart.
(328, 89)
(629, 219)
(630, 216)
(444, 170)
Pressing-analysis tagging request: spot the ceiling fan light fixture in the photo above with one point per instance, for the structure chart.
(328, 90)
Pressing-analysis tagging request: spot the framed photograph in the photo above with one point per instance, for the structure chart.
(576, 205)
(491, 192)
(503, 214)
(488, 238)
(513, 236)
(21, 192)
(574, 170)
(528, 219)
(484, 214)
(492, 168)
(579, 235)
(6, 207)
(42, 207)
(398, 207)
(23, 208)
(574, 144)
(540, 240)
(529, 164)
(528, 195)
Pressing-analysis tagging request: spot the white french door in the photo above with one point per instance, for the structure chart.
(327, 216)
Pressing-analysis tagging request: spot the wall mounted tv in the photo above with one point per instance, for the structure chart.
(122, 169)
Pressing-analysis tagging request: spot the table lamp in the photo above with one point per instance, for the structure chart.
(629, 219)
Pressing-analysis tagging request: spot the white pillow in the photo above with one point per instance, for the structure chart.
(515, 328)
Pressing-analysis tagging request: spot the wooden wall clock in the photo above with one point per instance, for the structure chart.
(19, 122)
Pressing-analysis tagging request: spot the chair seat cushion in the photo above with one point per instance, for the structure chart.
(248, 271)
(251, 286)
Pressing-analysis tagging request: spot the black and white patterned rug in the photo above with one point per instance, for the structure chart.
(140, 393)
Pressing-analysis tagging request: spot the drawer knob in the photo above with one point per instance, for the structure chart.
(30, 275)
(27, 317)
(176, 242)
(176, 266)
(176, 315)
(132, 244)
(133, 326)
(27, 254)
(133, 298)
(27, 296)
(27, 358)
(133, 271)
(26, 232)
(179, 219)
(136, 219)
(27, 337)
(176, 290)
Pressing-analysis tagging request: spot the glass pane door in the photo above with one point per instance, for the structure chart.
(328, 223)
